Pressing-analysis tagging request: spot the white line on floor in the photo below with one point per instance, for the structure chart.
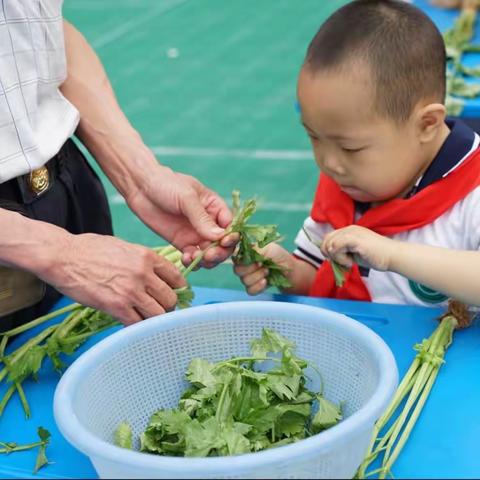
(135, 22)
(295, 155)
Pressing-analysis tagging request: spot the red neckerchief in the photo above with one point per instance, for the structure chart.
(336, 208)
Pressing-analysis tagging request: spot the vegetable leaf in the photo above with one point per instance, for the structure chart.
(327, 416)
(253, 237)
(271, 341)
(123, 436)
(199, 373)
(42, 459)
(339, 271)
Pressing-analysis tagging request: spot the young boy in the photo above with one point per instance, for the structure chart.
(399, 194)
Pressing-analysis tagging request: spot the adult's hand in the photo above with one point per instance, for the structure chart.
(186, 213)
(128, 281)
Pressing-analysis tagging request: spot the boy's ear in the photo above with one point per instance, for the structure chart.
(430, 119)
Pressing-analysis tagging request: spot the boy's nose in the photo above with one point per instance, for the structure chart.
(331, 164)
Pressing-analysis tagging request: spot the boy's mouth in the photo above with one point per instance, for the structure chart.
(350, 190)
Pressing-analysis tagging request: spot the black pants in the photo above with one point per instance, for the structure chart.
(75, 201)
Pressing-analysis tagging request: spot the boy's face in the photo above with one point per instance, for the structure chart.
(372, 158)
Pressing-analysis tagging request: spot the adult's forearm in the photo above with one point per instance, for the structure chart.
(103, 128)
(29, 244)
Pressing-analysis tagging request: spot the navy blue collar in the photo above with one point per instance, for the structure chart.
(458, 143)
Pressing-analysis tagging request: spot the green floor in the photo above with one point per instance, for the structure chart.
(210, 85)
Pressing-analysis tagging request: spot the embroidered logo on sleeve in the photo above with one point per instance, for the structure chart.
(426, 294)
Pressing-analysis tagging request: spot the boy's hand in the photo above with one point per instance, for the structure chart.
(254, 276)
(360, 245)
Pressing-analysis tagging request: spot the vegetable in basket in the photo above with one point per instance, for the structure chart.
(230, 407)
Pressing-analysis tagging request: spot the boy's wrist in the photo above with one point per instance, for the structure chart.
(396, 256)
(300, 274)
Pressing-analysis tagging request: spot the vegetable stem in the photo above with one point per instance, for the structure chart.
(198, 259)
(23, 399)
(40, 320)
(6, 398)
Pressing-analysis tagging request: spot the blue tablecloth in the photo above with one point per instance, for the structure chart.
(444, 444)
(444, 20)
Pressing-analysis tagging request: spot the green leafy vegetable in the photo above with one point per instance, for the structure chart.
(339, 271)
(460, 88)
(42, 459)
(253, 237)
(328, 415)
(458, 42)
(393, 428)
(44, 435)
(123, 436)
(231, 408)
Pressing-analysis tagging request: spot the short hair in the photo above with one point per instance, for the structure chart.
(402, 47)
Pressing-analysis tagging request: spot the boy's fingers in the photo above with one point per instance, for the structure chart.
(255, 277)
(259, 287)
(242, 270)
(343, 258)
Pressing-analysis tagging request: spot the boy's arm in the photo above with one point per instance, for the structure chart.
(452, 272)
(301, 277)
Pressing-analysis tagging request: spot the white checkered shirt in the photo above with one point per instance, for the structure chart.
(35, 118)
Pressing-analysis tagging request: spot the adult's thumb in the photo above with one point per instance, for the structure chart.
(201, 221)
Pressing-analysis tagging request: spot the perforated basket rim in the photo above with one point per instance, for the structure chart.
(97, 449)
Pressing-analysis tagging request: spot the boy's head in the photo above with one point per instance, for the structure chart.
(371, 93)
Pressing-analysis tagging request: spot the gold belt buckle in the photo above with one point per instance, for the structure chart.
(39, 180)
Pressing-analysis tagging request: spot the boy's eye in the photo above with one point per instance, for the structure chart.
(353, 150)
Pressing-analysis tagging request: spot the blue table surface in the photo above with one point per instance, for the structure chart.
(444, 19)
(444, 443)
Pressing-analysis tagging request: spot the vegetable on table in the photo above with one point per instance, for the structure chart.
(44, 439)
(231, 407)
(458, 42)
(393, 428)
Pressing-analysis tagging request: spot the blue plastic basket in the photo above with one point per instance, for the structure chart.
(140, 369)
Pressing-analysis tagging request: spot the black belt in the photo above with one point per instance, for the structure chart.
(27, 188)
